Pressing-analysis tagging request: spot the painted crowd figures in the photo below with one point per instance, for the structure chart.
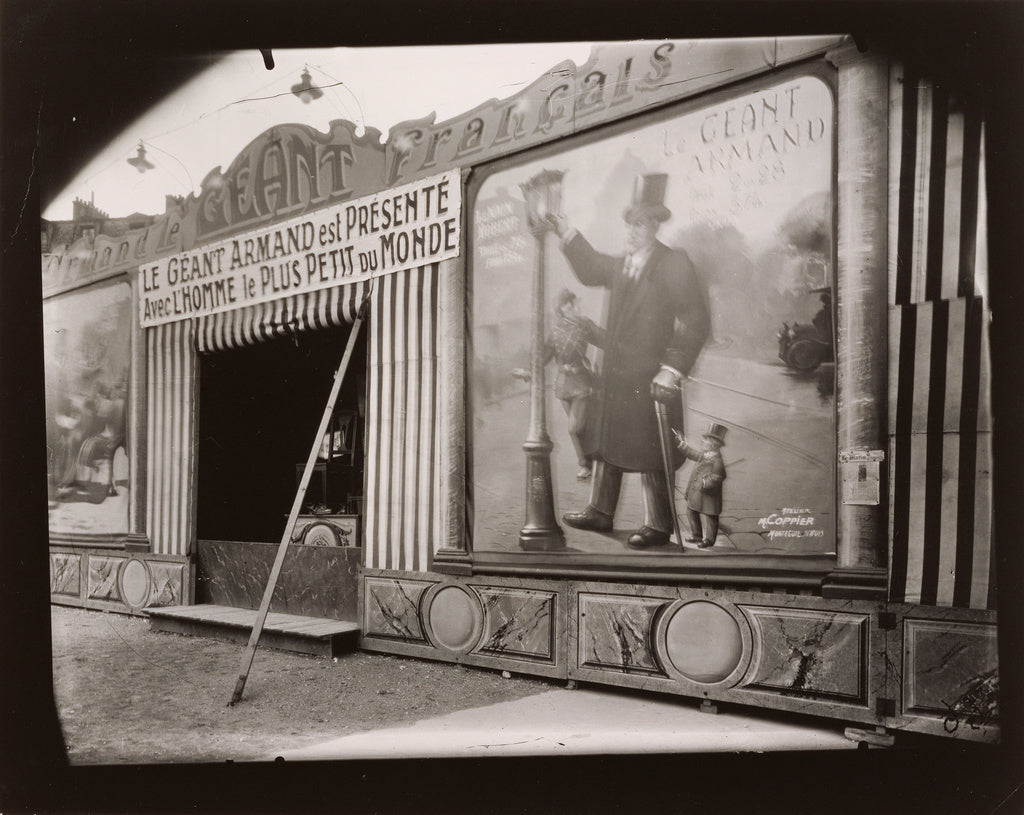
(657, 325)
(571, 336)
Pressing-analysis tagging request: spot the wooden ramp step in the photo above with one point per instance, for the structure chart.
(287, 632)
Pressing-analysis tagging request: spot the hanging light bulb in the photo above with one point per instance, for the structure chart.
(140, 162)
(305, 89)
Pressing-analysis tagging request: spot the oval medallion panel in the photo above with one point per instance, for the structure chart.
(704, 642)
(453, 618)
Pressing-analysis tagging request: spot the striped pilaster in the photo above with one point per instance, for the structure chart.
(170, 394)
(404, 483)
(939, 374)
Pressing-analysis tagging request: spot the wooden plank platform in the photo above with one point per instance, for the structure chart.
(287, 632)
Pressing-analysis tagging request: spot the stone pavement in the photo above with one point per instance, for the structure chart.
(583, 722)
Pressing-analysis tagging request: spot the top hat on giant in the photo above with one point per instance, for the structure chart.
(649, 198)
(715, 431)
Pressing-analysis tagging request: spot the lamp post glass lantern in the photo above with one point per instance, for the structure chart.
(543, 194)
(541, 532)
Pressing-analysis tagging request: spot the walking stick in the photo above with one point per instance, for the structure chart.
(665, 435)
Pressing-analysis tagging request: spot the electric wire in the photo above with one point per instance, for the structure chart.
(148, 141)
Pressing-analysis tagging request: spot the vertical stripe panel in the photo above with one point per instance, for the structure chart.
(371, 548)
(905, 218)
(951, 215)
(386, 420)
(934, 472)
(410, 448)
(922, 179)
(895, 331)
(277, 318)
(401, 522)
(174, 474)
(349, 300)
(941, 484)
(192, 417)
(216, 333)
(158, 447)
(922, 349)
(970, 198)
(936, 193)
(170, 433)
(947, 544)
(183, 453)
(973, 416)
(916, 526)
(399, 420)
(152, 423)
(420, 450)
(429, 473)
(166, 442)
(970, 490)
(204, 329)
(190, 404)
(167, 470)
(895, 335)
(250, 320)
(225, 333)
(901, 464)
(981, 227)
(984, 419)
(954, 376)
(939, 376)
(305, 318)
(322, 305)
(443, 376)
(896, 137)
(983, 566)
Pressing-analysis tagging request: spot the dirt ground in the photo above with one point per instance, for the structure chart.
(126, 694)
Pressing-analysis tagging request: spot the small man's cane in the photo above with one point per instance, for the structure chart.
(665, 434)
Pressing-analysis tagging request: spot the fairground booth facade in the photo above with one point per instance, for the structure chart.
(670, 372)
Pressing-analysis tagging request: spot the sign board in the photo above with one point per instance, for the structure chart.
(619, 79)
(363, 238)
(861, 476)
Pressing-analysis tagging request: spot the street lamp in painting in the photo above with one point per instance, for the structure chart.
(541, 532)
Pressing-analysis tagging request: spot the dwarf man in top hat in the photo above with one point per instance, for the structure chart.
(657, 324)
(704, 491)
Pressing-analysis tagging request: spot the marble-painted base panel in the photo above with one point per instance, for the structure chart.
(116, 580)
(789, 652)
(503, 623)
(804, 654)
(947, 676)
(315, 581)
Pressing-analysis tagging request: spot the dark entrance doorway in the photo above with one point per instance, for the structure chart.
(259, 408)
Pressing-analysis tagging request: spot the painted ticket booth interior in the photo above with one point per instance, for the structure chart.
(884, 616)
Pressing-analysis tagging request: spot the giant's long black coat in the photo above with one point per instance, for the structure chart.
(660, 318)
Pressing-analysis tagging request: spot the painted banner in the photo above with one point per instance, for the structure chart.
(367, 237)
(735, 291)
(87, 347)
